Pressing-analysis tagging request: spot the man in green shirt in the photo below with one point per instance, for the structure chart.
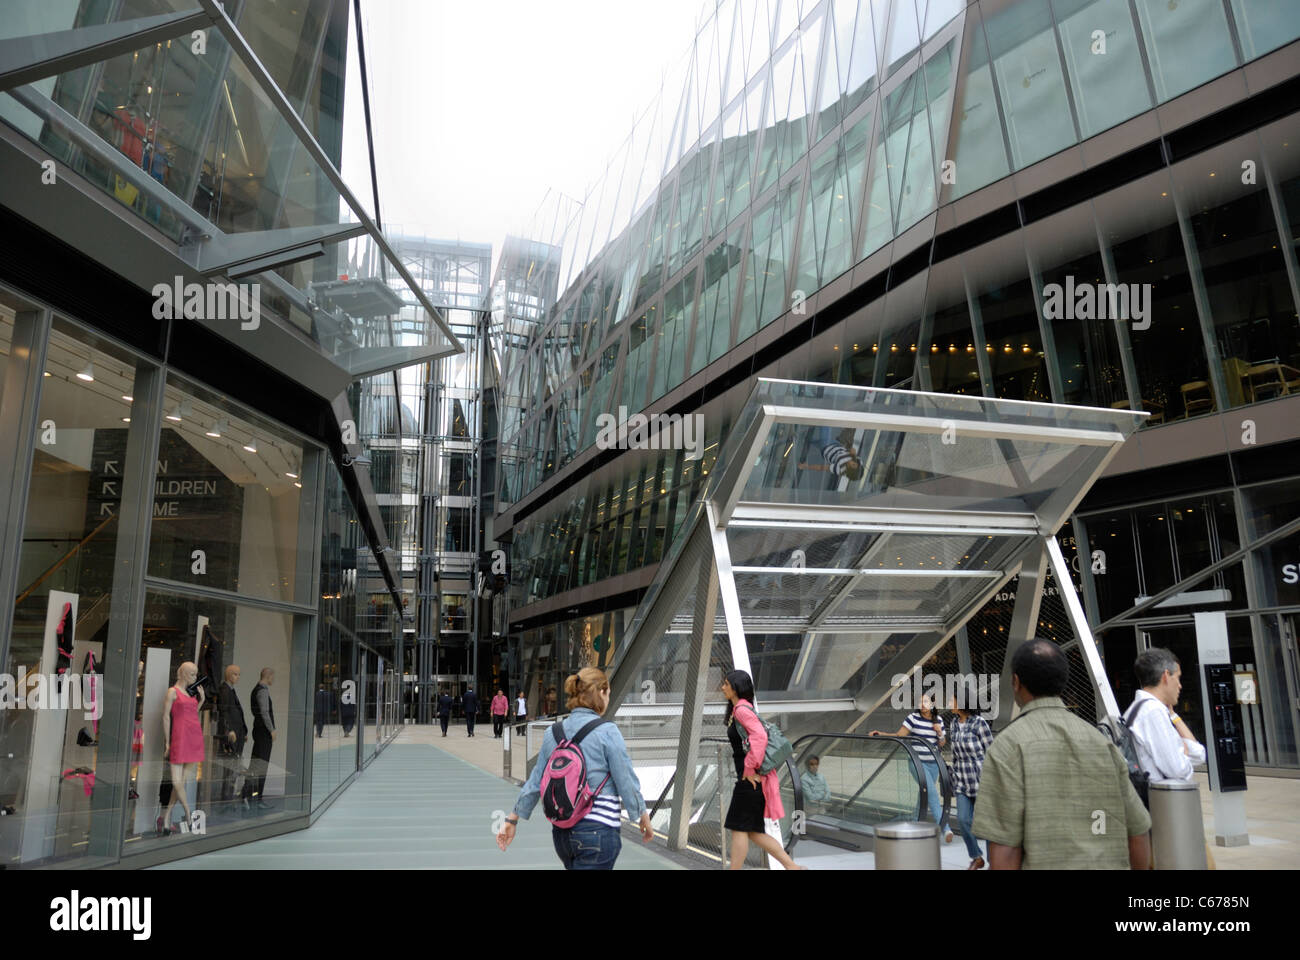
(1054, 792)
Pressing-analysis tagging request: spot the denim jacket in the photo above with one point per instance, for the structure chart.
(606, 755)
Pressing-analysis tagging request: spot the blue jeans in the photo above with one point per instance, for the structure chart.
(587, 846)
(932, 794)
(965, 816)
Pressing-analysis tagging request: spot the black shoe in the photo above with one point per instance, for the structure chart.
(86, 740)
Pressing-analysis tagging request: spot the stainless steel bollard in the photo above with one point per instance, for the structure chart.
(1177, 828)
(907, 846)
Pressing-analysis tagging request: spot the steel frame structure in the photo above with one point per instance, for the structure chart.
(702, 559)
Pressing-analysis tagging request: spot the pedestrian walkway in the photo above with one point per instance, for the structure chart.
(418, 807)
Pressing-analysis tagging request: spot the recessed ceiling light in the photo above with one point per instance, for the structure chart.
(251, 446)
(292, 476)
(175, 415)
(128, 399)
(126, 419)
(88, 374)
(47, 373)
(297, 484)
(215, 430)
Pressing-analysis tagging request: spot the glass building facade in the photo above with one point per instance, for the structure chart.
(188, 486)
(1066, 201)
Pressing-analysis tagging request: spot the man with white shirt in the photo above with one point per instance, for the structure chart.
(1166, 748)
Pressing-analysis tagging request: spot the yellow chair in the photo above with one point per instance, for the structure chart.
(1197, 397)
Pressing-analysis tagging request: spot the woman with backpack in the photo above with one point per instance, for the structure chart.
(576, 790)
(754, 797)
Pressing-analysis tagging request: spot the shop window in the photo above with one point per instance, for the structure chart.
(66, 569)
(237, 659)
(1244, 272)
(1140, 226)
(228, 486)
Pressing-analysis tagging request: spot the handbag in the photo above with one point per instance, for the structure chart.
(778, 751)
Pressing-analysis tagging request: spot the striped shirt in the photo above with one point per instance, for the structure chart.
(607, 810)
(838, 456)
(918, 726)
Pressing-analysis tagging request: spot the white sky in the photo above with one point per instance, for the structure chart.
(481, 106)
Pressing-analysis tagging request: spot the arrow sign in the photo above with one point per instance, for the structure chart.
(110, 466)
(105, 508)
(109, 488)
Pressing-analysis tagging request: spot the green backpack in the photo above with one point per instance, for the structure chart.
(778, 750)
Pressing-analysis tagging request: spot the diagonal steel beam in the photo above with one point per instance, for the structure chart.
(25, 59)
(219, 254)
(1082, 632)
(1283, 531)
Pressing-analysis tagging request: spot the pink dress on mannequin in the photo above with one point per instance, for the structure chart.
(187, 734)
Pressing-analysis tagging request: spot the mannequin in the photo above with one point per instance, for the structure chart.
(182, 739)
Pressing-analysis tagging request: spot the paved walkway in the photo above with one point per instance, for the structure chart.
(427, 803)
(416, 806)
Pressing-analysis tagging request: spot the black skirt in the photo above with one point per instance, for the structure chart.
(747, 808)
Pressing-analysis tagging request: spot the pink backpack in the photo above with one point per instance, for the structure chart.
(566, 797)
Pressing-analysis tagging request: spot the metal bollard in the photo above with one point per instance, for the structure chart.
(909, 845)
(1177, 828)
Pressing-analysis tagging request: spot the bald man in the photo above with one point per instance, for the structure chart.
(231, 733)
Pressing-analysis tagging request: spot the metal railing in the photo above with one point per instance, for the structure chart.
(717, 776)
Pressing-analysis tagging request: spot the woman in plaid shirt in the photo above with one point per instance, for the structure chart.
(971, 736)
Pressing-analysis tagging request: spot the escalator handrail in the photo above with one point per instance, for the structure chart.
(795, 785)
(945, 780)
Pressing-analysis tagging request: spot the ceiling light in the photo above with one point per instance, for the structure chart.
(297, 484)
(176, 415)
(292, 476)
(47, 373)
(126, 419)
(215, 430)
(128, 399)
(88, 374)
(251, 446)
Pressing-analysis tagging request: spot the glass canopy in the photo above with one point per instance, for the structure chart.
(846, 534)
(221, 150)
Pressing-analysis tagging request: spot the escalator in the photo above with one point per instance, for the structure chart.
(869, 781)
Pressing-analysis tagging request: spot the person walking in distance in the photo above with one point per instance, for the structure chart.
(500, 707)
(521, 708)
(594, 842)
(470, 703)
(971, 736)
(755, 797)
(263, 736)
(1050, 778)
(444, 709)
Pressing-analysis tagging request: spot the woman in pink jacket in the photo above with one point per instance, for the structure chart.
(754, 797)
